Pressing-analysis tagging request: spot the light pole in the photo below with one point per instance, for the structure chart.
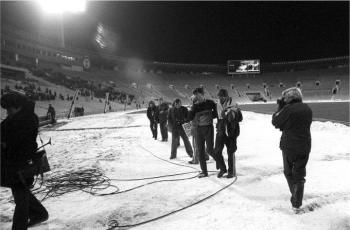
(62, 31)
(59, 7)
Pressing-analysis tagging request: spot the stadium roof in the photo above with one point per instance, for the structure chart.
(199, 32)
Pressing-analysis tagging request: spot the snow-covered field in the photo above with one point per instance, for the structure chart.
(120, 145)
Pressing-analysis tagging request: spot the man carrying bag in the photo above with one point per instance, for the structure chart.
(18, 145)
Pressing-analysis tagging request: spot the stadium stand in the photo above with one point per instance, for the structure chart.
(52, 74)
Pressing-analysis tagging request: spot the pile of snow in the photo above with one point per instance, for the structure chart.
(121, 146)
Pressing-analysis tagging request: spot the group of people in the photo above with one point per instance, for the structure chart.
(200, 118)
(19, 132)
(293, 118)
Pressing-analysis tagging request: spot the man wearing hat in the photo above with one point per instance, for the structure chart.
(294, 119)
(227, 131)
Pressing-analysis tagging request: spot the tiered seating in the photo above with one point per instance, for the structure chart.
(152, 85)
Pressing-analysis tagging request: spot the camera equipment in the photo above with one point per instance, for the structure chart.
(48, 143)
(281, 103)
(38, 165)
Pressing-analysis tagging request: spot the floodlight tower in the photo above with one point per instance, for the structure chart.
(59, 7)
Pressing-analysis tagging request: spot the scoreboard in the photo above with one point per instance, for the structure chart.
(243, 66)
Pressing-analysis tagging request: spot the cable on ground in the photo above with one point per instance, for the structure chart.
(113, 224)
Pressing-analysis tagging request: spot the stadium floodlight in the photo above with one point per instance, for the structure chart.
(62, 6)
(59, 7)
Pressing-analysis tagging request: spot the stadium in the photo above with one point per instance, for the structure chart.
(107, 172)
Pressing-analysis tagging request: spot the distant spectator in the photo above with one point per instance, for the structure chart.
(51, 114)
(78, 111)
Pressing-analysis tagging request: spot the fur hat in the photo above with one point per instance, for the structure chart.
(292, 94)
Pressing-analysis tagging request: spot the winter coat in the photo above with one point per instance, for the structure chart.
(177, 117)
(228, 119)
(152, 114)
(51, 111)
(294, 120)
(18, 143)
(206, 112)
(163, 112)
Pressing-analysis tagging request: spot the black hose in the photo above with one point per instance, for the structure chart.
(113, 224)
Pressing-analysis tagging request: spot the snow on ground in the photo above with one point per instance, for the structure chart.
(120, 145)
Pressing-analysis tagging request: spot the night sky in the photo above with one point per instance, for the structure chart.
(201, 32)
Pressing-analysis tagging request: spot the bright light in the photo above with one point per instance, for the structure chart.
(61, 6)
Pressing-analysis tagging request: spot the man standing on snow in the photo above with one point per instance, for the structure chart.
(294, 118)
(227, 131)
(163, 116)
(177, 116)
(152, 114)
(194, 125)
(205, 111)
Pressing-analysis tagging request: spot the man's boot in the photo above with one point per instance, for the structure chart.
(221, 173)
(202, 174)
(297, 195)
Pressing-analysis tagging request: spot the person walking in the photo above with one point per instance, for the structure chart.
(19, 131)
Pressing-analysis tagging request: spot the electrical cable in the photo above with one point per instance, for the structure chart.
(91, 181)
(155, 177)
(187, 166)
(113, 224)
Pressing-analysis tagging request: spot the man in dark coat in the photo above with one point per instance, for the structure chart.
(205, 110)
(152, 114)
(294, 119)
(18, 142)
(163, 116)
(177, 116)
(227, 131)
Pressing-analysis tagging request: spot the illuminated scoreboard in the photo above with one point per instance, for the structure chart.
(243, 66)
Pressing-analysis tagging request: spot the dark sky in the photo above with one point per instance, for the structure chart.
(202, 32)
